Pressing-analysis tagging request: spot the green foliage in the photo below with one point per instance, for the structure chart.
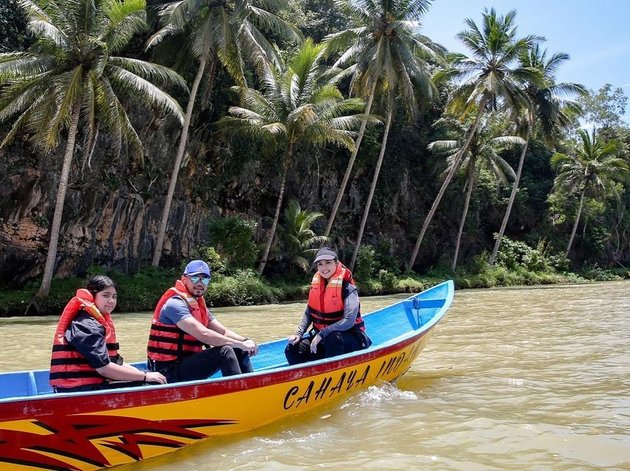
(595, 273)
(385, 259)
(593, 169)
(316, 18)
(41, 221)
(212, 258)
(233, 239)
(73, 68)
(606, 107)
(513, 253)
(518, 255)
(366, 264)
(296, 106)
(242, 181)
(243, 288)
(13, 32)
(141, 291)
(387, 279)
(297, 242)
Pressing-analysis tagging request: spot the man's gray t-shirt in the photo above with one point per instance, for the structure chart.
(176, 310)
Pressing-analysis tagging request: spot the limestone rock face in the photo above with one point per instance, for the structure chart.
(114, 228)
(114, 200)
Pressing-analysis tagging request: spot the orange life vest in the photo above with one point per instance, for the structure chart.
(68, 367)
(325, 300)
(168, 342)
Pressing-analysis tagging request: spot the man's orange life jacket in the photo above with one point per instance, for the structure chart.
(168, 342)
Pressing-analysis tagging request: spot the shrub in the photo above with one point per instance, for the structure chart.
(243, 288)
(365, 263)
(387, 279)
(212, 258)
(233, 238)
(596, 273)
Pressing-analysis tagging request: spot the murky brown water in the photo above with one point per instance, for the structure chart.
(524, 378)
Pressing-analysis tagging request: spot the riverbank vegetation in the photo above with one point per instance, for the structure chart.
(139, 135)
(518, 265)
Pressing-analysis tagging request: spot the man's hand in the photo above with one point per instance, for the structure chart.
(295, 338)
(314, 342)
(250, 347)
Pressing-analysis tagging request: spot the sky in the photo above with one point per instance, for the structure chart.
(595, 34)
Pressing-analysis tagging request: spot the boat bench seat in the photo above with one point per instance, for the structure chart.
(24, 384)
(18, 384)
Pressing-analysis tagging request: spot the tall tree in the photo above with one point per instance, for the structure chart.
(70, 76)
(546, 107)
(227, 32)
(592, 168)
(482, 155)
(295, 107)
(606, 108)
(491, 79)
(388, 57)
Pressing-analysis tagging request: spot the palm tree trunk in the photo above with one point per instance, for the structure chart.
(49, 267)
(575, 224)
(157, 254)
(377, 171)
(445, 184)
(276, 216)
(508, 211)
(346, 177)
(471, 185)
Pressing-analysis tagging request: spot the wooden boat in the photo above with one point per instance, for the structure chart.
(91, 430)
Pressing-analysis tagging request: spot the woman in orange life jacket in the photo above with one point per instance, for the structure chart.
(183, 328)
(85, 350)
(333, 309)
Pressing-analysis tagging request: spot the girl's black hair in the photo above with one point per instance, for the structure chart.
(98, 283)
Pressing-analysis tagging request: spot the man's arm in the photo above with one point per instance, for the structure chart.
(193, 327)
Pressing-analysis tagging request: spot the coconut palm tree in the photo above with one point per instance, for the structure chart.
(226, 32)
(388, 58)
(388, 55)
(592, 168)
(491, 79)
(71, 77)
(546, 107)
(482, 155)
(295, 107)
(298, 240)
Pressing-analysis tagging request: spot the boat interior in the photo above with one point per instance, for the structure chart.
(404, 318)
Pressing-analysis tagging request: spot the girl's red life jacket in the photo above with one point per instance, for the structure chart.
(69, 368)
(168, 342)
(325, 300)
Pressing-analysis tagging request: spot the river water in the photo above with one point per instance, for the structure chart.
(513, 378)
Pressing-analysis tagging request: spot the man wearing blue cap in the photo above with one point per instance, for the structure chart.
(186, 342)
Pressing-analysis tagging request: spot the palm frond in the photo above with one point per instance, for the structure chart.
(143, 89)
(150, 71)
(161, 34)
(125, 19)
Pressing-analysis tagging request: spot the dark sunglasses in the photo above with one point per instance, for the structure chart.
(197, 278)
